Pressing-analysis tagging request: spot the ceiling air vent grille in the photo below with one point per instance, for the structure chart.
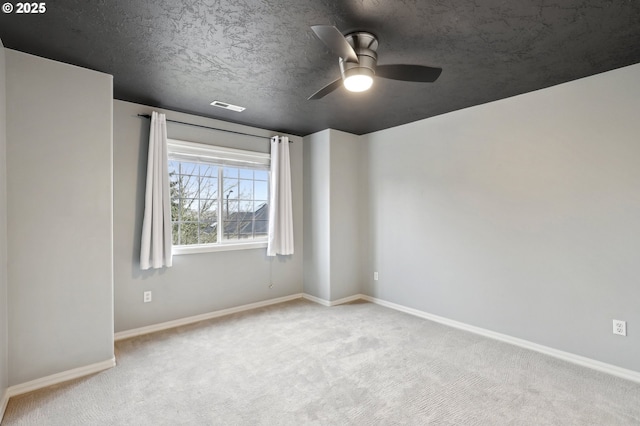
(225, 105)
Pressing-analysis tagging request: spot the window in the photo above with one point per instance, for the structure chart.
(219, 197)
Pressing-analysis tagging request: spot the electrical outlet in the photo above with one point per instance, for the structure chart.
(620, 327)
(147, 296)
(375, 276)
(270, 285)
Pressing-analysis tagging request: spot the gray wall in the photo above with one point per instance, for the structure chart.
(518, 216)
(333, 214)
(4, 342)
(347, 213)
(317, 217)
(197, 283)
(59, 126)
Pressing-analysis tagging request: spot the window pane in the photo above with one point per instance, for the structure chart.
(174, 186)
(261, 191)
(244, 216)
(230, 188)
(231, 209)
(189, 168)
(246, 189)
(246, 208)
(230, 230)
(208, 188)
(208, 211)
(208, 233)
(261, 228)
(188, 209)
(245, 229)
(261, 210)
(174, 167)
(175, 209)
(188, 186)
(230, 172)
(188, 233)
(246, 174)
(261, 175)
(175, 234)
(208, 170)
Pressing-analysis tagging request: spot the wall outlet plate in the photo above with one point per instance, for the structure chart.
(620, 327)
(147, 297)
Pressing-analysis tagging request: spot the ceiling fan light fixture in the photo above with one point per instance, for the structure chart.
(356, 78)
(358, 83)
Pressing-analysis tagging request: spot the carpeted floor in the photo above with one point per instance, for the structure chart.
(301, 363)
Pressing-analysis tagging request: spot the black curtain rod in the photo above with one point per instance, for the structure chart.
(211, 128)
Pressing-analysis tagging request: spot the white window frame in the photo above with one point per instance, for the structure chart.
(198, 152)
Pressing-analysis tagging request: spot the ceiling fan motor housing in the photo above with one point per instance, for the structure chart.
(365, 45)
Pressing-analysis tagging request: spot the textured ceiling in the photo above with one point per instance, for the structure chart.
(262, 55)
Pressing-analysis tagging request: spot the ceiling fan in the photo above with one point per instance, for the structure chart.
(358, 62)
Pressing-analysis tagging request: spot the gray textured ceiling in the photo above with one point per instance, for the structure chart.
(262, 55)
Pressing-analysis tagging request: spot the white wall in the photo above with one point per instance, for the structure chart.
(59, 128)
(4, 339)
(197, 283)
(518, 216)
(333, 215)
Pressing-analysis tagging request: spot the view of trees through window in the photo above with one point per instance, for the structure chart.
(212, 204)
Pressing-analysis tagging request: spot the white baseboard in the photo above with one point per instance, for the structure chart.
(3, 403)
(196, 318)
(61, 377)
(324, 302)
(556, 353)
(121, 335)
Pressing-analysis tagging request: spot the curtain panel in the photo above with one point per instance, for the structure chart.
(155, 247)
(280, 239)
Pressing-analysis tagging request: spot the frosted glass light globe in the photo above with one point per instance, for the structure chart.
(358, 83)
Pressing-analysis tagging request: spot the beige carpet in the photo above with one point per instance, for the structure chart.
(301, 363)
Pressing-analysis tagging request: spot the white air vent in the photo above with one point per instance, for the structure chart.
(225, 105)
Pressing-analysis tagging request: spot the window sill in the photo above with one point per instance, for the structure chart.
(180, 250)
